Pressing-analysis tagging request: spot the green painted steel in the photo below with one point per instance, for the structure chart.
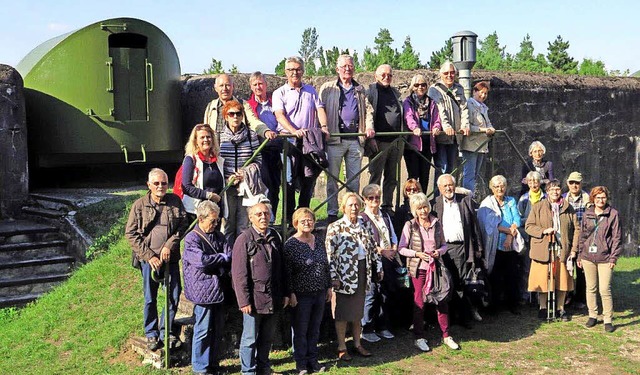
(96, 92)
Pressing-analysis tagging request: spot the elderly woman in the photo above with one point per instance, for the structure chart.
(475, 146)
(206, 259)
(599, 249)
(403, 213)
(499, 221)
(237, 145)
(537, 163)
(353, 258)
(379, 301)
(553, 219)
(202, 177)
(307, 268)
(422, 242)
(421, 115)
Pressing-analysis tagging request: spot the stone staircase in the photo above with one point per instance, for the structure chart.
(33, 259)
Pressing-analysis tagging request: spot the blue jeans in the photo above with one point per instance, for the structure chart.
(153, 328)
(445, 159)
(255, 344)
(352, 152)
(207, 336)
(305, 328)
(472, 167)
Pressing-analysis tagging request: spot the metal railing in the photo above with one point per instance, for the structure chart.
(399, 142)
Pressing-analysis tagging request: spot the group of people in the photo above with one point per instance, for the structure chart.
(375, 263)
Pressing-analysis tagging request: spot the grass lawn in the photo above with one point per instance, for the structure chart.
(81, 328)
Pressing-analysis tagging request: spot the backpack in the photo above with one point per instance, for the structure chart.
(177, 182)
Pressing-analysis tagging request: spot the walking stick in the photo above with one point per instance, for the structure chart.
(551, 285)
(167, 326)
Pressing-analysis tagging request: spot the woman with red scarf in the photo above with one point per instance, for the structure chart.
(202, 177)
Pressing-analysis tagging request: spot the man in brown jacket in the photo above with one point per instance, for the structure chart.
(156, 224)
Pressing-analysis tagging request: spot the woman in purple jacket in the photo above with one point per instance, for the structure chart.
(421, 114)
(599, 248)
(206, 259)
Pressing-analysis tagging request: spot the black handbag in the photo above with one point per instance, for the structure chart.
(371, 148)
(441, 284)
(476, 284)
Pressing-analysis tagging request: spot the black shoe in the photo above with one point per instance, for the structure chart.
(608, 327)
(563, 316)
(153, 343)
(591, 322)
(174, 342)
(317, 367)
(542, 314)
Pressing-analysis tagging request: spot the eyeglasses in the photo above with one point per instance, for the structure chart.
(374, 198)
(574, 182)
(294, 70)
(600, 198)
(234, 114)
(386, 75)
(416, 85)
(450, 73)
(345, 67)
(158, 183)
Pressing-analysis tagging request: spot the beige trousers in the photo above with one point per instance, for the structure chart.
(598, 278)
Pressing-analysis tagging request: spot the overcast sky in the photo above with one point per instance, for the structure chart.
(256, 35)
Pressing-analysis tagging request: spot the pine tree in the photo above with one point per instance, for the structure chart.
(444, 54)
(214, 68)
(590, 67)
(279, 69)
(408, 59)
(490, 55)
(559, 58)
(384, 53)
(526, 61)
(309, 50)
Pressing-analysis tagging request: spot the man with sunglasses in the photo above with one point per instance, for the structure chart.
(387, 117)
(344, 104)
(454, 117)
(260, 285)
(156, 224)
(295, 105)
(579, 200)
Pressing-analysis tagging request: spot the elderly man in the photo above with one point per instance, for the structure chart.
(344, 104)
(454, 116)
(457, 214)
(260, 285)
(271, 167)
(295, 105)
(387, 117)
(213, 113)
(579, 200)
(156, 224)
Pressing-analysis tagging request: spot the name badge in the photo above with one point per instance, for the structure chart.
(593, 249)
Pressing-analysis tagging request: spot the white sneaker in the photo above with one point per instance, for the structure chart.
(422, 345)
(370, 337)
(450, 343)
(386, 334)
(476, 316)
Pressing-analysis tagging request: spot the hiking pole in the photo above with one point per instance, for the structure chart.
(167, 326)
(551, 285)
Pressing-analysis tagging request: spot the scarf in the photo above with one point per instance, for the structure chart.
(555, 210)
(209, 158)
(421, 106)
(238, 137)
(535, 197)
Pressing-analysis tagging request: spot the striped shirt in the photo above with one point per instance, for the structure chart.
(237, 148)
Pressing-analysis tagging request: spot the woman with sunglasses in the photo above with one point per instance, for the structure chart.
(206, 259)
(202, 177)
(475, 146)
(421, 114)
(237, 144)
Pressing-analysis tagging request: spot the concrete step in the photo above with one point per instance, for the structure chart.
(30, 285)
(179, 357)
(18, 301)
(61, 201)
(43, 212)
(35, 267)
(21, 228)
(32, 250)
